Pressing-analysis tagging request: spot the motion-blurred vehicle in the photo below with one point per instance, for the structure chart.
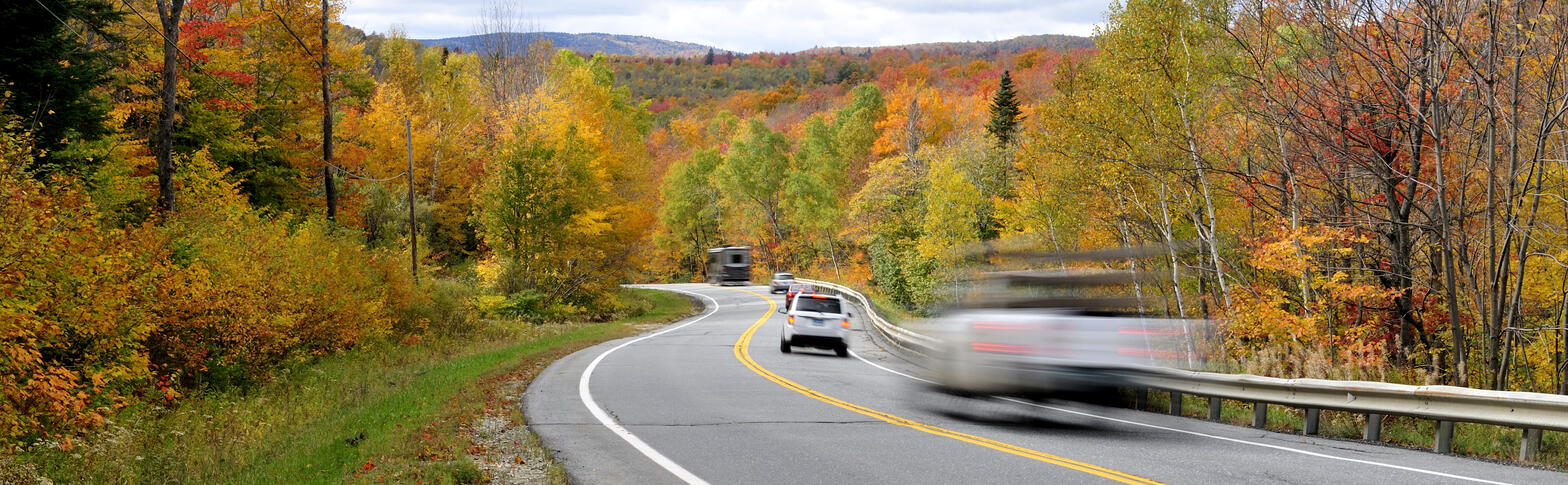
(1050, 335)
(781, 282)
(794, 290)
(730, 264)
(818, 321)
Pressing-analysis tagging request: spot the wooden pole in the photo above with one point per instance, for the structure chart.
(413, 229)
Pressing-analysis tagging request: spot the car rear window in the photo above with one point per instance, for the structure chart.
(783, 276)
(822, 305)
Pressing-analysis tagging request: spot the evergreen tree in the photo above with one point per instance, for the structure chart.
(1005, 115)
(708, 59)
(52, 56)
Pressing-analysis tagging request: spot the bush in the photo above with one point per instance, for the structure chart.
(442, 308)
(248, 293)
(74, 304)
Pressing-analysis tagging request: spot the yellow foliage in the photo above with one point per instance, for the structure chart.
(74, 304)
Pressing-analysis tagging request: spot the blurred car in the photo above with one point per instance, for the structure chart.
(818, 321)
(1051, 335)
(795, 289)
(781, 282)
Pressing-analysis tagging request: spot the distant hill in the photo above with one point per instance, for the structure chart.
(1048, 41)
(586, 44)
(637, 45)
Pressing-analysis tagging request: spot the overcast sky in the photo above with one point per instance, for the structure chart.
(750, 25)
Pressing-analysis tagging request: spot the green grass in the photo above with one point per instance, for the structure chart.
(389, 413)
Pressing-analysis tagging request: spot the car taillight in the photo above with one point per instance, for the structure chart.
(1001, 348)
(791, 319)
(846, 323)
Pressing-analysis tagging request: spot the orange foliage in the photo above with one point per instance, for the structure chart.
(74, 305)
(249, 293)
(93, 318)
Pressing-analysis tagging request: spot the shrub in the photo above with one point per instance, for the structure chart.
(74, 304)
(249, 293)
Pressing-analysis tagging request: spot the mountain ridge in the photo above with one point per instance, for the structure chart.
(641, 45)
(584, 43)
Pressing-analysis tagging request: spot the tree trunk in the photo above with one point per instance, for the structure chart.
(1170, 249)
(328, 170)
(169, 16)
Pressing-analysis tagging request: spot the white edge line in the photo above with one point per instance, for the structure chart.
(608, 422)
(1221, 438)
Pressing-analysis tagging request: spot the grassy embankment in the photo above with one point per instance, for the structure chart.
(392, 413)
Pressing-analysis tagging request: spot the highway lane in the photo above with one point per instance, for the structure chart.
(712, 399)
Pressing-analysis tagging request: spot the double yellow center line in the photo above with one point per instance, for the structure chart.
(744, 355)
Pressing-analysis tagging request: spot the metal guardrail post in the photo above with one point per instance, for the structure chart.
(1445, 437)
(1530, 444)
(1175, 403)
(1309, 423)
(1260, 414)
(1374, 428)
(1214, 409)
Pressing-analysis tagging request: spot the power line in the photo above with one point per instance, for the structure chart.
(63, 22)
(230, 94)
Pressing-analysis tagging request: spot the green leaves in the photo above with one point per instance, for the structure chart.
(1005, 113)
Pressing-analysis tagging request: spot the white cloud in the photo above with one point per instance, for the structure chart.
(754, 25)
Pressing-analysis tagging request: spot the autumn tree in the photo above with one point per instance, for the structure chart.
(813, 186)
(565, 205)
(692, 208)
(753, 180)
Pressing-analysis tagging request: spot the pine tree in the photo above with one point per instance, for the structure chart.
(52, 56)
(1005, 115)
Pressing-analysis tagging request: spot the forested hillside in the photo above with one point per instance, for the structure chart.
(1351, 189)
(586, 44)
(198, 194)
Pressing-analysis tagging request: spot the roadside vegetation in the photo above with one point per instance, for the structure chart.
(381, 413)
(178, 240)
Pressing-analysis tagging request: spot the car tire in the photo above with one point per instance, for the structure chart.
(784, 346)
(842, 350)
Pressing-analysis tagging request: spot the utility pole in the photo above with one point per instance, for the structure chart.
(413, 231)
(327, 171)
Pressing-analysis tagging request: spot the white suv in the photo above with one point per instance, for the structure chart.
(820, 321)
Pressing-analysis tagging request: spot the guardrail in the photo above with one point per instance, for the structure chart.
(1528, 411)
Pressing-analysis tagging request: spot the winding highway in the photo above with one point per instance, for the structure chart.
(710, 399)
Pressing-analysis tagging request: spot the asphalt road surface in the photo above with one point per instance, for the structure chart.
(710, 399)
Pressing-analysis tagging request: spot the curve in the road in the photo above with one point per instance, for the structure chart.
(744, 355)
(621, 431)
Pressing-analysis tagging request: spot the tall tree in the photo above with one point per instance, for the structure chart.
(752, 175)
(328, 170)
(52, 55)
(1005, 113)
(169, 16)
